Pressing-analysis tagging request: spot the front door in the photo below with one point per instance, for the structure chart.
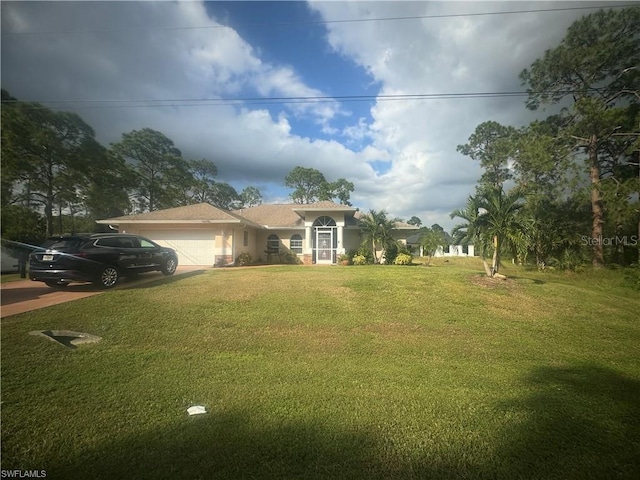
(324, 246)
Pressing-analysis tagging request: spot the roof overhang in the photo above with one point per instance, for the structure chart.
(324, 210)
(128, 222)
(348, 211)
(179, 222)
(275, 227)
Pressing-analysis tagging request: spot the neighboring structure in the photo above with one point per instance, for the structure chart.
(9, 262)
(206, 235)
(414, 241)
(455, 251)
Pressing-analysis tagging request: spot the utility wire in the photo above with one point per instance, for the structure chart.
(216, 102)
(311, 98)
(319, 22)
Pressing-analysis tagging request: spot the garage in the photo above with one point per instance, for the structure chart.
(201, 234)
(194, 246)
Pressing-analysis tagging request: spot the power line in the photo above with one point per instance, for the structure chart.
(215, 102)
(299, 98)
(319, 22)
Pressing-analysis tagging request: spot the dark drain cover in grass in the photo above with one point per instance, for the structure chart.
(67, 337)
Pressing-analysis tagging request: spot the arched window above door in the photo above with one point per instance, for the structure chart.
(324, 221)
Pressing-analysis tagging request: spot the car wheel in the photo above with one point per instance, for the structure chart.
(108, 277)
(55, 284)
(169, 267)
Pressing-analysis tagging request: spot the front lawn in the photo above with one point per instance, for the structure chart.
(332, 372)
(10, 277)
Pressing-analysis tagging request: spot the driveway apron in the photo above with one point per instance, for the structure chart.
(25, 295)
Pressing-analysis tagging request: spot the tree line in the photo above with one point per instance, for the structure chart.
(565, 190)
(310, 185)
(52, 163)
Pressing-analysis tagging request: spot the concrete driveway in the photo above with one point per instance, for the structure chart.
(25, 295)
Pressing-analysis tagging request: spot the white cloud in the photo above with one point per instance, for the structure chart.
(357, 132)
(119, 61)
(446, 55)
(252, 144)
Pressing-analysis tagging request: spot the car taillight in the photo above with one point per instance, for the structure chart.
(81, 255)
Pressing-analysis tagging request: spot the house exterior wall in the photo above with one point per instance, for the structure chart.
(224, 252)
(239, 241)
(352, 239)
(346, 239)
(284, 235)
(211, 244)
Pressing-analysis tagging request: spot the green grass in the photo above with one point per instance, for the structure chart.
(10, 277)
(338, 372)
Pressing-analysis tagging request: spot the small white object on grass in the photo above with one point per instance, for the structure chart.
(196, 410)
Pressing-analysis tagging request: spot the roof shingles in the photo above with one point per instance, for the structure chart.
(283, 215)
(198, 212)
(272, 215)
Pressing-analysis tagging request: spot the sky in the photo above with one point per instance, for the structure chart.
(206, 74)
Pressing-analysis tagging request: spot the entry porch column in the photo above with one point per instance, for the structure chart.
(307, 239)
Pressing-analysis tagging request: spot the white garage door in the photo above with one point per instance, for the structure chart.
(194, 247)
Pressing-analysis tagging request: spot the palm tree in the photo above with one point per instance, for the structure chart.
(492, 222)
(500, 221)
(468, 232)
(431, 240)
(376, 231)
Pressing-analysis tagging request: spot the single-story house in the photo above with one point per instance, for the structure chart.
(449, 250)
(206, 235)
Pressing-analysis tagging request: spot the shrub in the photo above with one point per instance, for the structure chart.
(243, 259)
(344, 259)
(290, 258)
(403, 259)
(569, 260)
(366, 253)
(390, 253)
(402, 248)
(359, 260)
(393, 250)
(220, 262)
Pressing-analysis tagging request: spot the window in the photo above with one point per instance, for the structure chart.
(109, 242)
(465, 249)
(147, 243)
(296, 243)
(118, 242)
(324, 222)
(63, 245)
(273, 244)
(246, 238)
(447, 249)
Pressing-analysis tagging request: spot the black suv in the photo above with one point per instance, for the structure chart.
(101, 258)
